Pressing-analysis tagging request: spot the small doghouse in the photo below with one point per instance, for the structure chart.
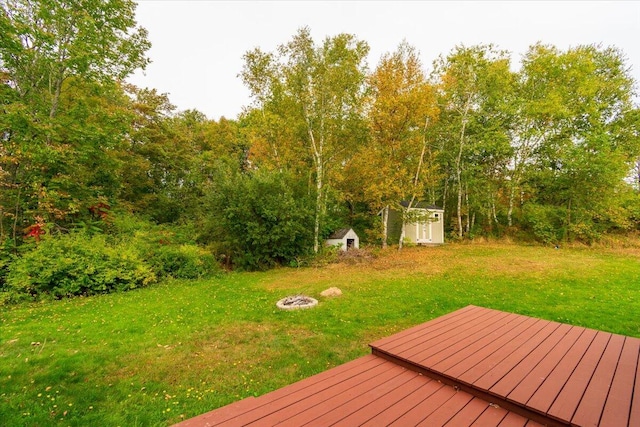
(345, 238)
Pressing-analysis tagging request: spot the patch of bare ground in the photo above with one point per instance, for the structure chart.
(414, 259)
(376, 333)
(424, 260)
(357, 256)
(628, 247)
(297, 280)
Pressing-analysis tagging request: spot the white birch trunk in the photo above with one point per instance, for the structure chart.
(385, 228)
(459, 164)
(401, 240)
(512, 195)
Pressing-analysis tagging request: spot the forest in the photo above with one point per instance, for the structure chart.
(105, 186)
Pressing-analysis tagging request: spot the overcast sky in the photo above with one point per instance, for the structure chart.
(198, 45)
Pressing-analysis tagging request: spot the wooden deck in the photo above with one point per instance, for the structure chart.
(472, 367)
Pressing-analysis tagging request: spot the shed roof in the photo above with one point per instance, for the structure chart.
(475, 366)
(421, 205)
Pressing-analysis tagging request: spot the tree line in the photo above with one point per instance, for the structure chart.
(545, 152)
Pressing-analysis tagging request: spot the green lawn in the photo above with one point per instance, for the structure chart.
(153, 356)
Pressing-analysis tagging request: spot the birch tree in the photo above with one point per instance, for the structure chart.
(317, 92)
(472, 83)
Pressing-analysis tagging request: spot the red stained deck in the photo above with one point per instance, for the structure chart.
(472, 367)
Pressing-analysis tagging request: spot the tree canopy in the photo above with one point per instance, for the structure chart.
(317, 92)
(64, 114)
(548, 152)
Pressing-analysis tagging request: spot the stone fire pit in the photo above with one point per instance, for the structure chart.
(295, 302)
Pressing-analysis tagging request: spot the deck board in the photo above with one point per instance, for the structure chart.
(461, 339)
(491, 353)
(634, 411)
(492, 416)
(471, 371)
(445, 412)
(513, 420)
(567, 401)
(495, 374)
(471, 367)
(367, 409)
(408, 401)
(427, 327)
(424, 408)
(555, 381)
(592, 404)
(469, 414)
(243, 412)
(341, 405)
(320, 400)
(535, 377)
(548, 349)
(459, 354)
(438, 338)
(619, 399)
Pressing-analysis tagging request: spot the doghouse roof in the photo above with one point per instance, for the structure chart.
(339, 234)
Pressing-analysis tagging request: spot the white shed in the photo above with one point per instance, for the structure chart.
(346, 238)
(427, 229)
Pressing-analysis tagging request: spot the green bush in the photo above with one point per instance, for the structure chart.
(167, 250)
(182, 261)
(545, 222)
(77, 264)
(262, 219)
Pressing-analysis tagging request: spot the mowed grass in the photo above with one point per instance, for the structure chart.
(156, 356)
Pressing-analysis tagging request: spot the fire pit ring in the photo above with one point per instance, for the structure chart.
(295, 302)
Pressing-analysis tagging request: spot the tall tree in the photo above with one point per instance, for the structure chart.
(472, 83)
(45, 42)
(317, 92)
(154, 157)
(579, 122)
(398, 163)
(57, 58)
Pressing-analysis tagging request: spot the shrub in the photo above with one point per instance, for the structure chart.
(545, 222)
(263, 219)
(182, 261)
(77, 264)
(325, 256)
(167, 250)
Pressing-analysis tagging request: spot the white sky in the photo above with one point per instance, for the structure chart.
(198, 45)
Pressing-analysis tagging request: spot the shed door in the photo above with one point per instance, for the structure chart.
(423, 232)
